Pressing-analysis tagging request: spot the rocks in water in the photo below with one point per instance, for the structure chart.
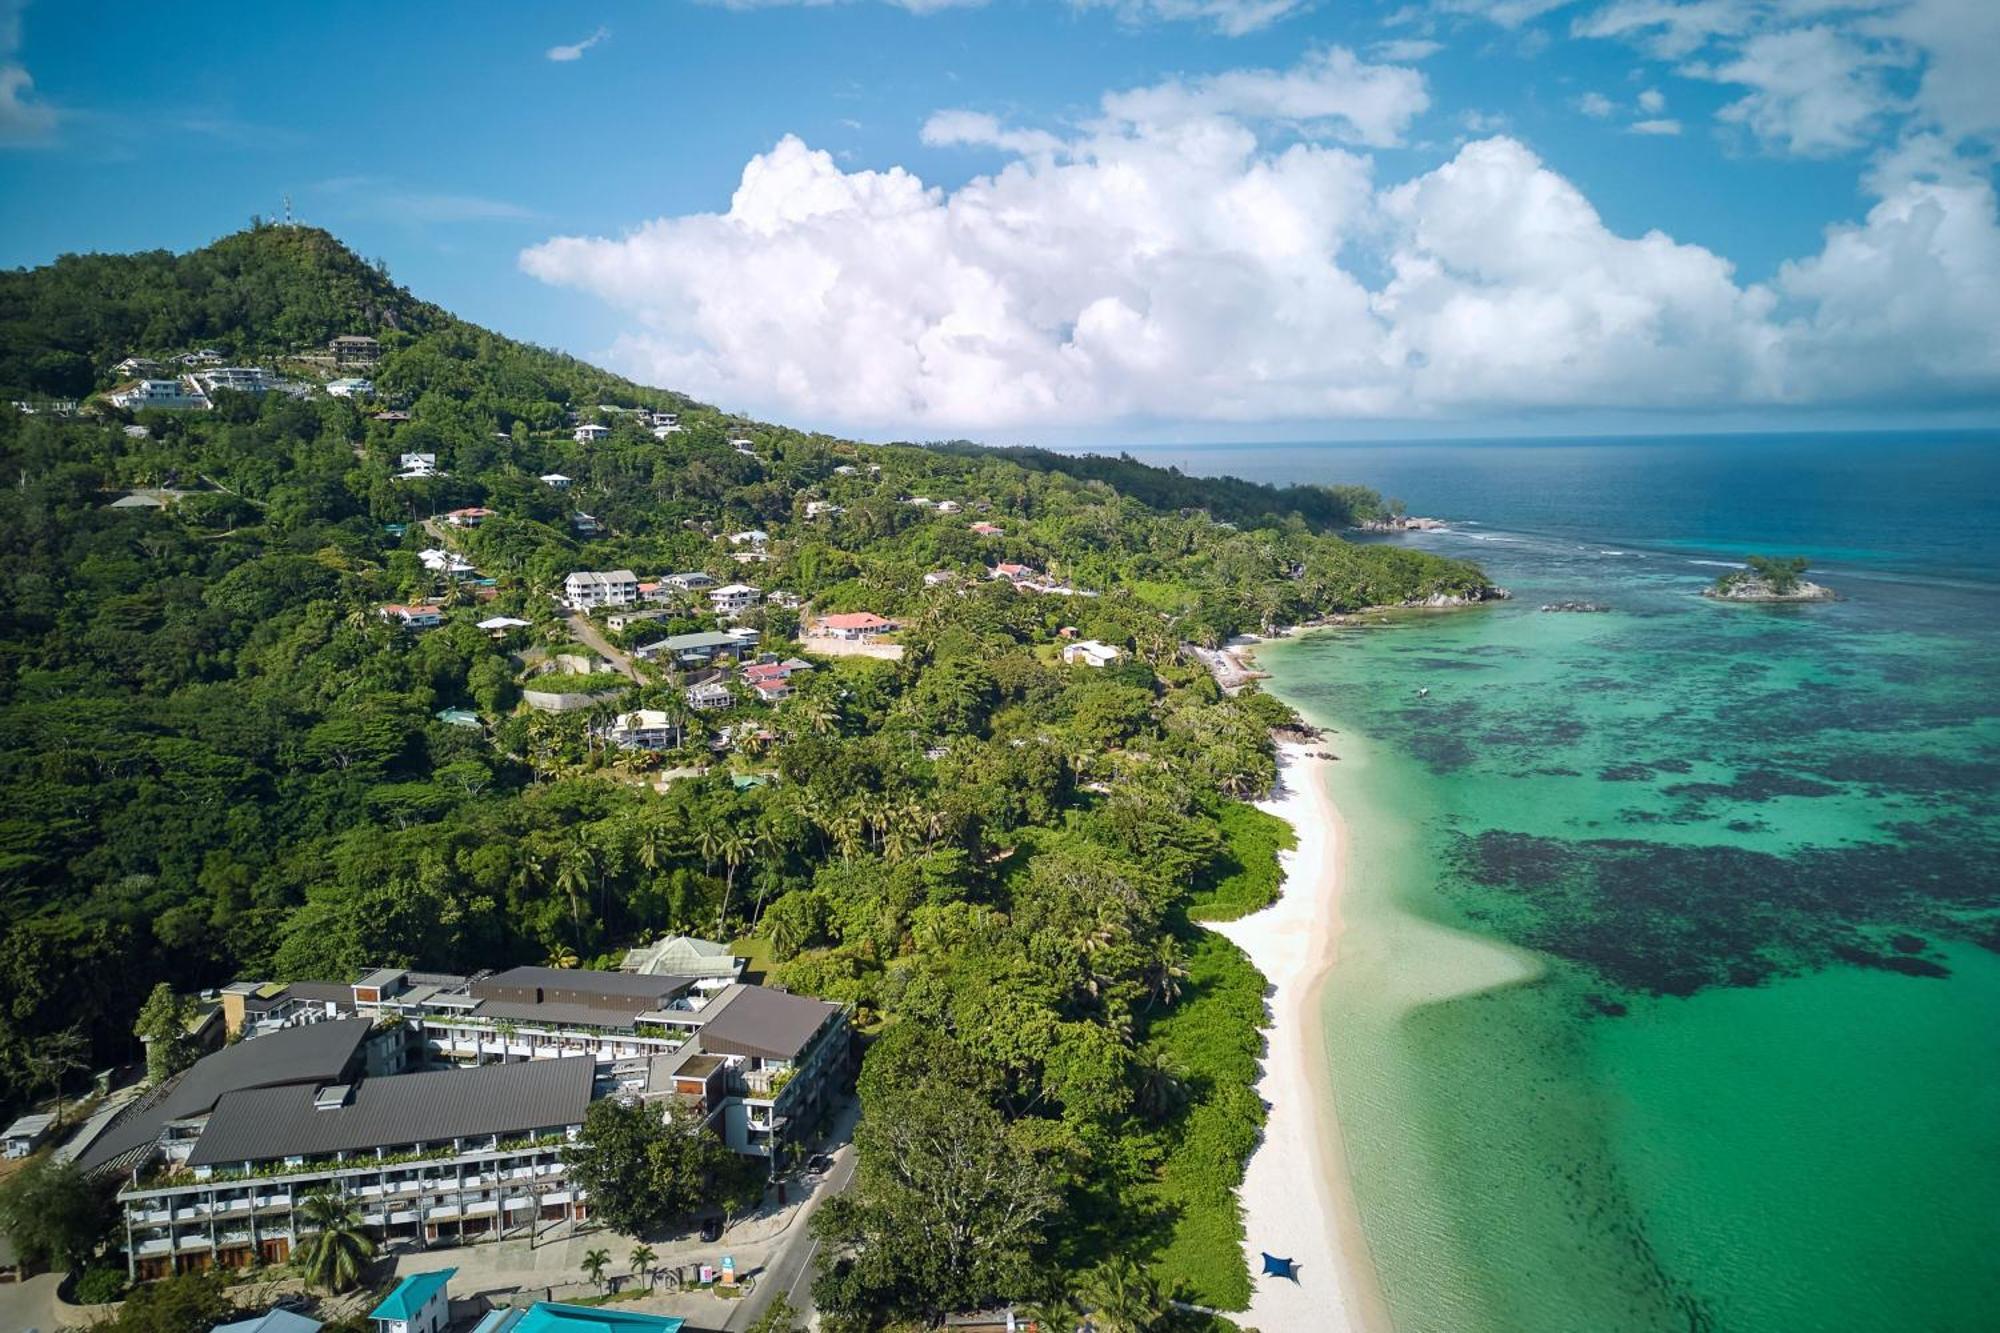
(1750, 588)
(1402, 524)
(1575, 606)
(1473, 598)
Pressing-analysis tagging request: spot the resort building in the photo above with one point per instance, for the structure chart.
(444, 1155)
(440, 1104)
(588, 590)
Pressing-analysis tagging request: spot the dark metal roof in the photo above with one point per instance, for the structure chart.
(767, 1023)
(578, 983)
(555, 1013)
(310, 1054)
(267, 1124)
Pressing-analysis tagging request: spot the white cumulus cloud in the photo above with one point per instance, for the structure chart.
(1221, 250)
(23, 119)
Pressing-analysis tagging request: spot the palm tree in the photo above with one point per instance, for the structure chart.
(642, 1260)
(333, 1256)
(724, 842)
(653, 846)
(1167, 970)
(573, 878)
(561, 955)
(1121, 1297)
(594, 1263)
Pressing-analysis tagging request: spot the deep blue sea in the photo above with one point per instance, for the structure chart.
(1925, 504)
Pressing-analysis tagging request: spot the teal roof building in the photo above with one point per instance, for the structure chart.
(551, 1317)
(420, 1303)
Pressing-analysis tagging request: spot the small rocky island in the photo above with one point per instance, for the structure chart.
(1769, 580)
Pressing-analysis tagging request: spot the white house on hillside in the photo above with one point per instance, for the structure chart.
(588, 433)
(587, 590)
(158, 393)
(1089, 652)
(645, 729)
(733, 597)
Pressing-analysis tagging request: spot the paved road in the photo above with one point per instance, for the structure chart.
(788, 1270)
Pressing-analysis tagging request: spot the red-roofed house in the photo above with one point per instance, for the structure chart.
(988, 530)
(413, 617)
(468, 518)
(856, 626)
(1013, 573)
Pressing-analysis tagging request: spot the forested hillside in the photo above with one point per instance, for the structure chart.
(217, 759)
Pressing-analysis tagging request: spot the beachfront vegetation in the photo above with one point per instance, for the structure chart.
(1780, 575)
(217, 760)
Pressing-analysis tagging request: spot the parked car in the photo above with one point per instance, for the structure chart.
(711, 1229)
(818, 1164)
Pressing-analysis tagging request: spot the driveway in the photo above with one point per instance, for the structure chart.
(593, 637)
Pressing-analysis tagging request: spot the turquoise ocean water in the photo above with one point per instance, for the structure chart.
(1670, 995)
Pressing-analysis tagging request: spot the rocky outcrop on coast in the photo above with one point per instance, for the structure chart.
(1401, 524)
(1473, 598)
(1749, 588)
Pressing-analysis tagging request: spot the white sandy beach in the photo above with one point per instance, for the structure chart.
(1296, 1201)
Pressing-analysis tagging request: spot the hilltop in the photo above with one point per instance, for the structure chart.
(266, 672)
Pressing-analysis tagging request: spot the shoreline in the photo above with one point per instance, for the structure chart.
(1295, 943)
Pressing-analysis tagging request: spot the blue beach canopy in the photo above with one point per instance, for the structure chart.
(1276, 1267)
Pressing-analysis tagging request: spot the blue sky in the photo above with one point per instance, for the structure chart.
(1162, 218)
